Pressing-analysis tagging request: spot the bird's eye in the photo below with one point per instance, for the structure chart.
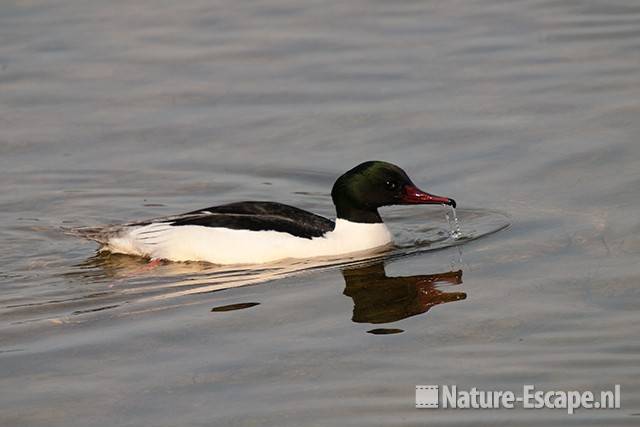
(391, 185)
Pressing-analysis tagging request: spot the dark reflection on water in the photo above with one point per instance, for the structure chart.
(93, 310)
(381, 299)
(385, 331)
(233, 307)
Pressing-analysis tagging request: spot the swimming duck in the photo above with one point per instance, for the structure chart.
(260, 232)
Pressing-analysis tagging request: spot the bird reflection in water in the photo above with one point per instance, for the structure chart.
(377, 299)
(381, 299)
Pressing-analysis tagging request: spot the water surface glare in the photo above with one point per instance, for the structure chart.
(525, 112)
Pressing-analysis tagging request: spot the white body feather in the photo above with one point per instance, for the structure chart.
(227, 246)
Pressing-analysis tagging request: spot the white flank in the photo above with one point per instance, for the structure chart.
(227, 246)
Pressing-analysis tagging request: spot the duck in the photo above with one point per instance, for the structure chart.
(258, 232)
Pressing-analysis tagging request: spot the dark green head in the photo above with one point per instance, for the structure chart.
(359, 192)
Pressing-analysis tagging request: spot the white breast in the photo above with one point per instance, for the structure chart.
(227, 246)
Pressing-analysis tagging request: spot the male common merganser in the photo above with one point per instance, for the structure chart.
(260, 232)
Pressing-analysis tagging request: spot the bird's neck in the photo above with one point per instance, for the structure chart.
(353, 214)
(349, 205)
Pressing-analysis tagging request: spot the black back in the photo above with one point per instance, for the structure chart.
(258, 216)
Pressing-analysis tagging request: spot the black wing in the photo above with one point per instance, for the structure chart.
(258, 216)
